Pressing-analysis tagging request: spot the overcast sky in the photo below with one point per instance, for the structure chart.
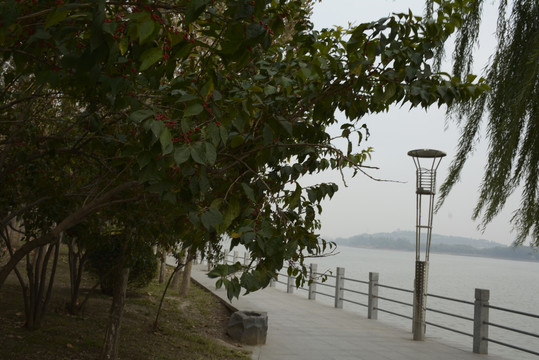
(367, 206)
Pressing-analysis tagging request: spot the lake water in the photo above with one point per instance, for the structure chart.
(512, 284)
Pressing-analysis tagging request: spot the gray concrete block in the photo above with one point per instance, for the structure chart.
(248, 327)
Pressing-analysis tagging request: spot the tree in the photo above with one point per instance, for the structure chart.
(510, 110)
(199, 117)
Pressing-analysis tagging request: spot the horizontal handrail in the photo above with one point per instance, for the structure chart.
(512, 329)
(356, 292)
(355, 280)
(450, 314)
(511, 346)
(450, 299)
(394, 313)
(321, 293)
(324, 284)
(513, 311)
(355, 302)
(448, 329)
(394, 301)
(323, 274)
(394, 288)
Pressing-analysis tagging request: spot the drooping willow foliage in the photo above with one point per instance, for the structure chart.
(509, 113)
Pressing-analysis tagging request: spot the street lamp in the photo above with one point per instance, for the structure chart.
(426, 162)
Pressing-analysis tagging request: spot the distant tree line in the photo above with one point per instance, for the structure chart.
(401, 241)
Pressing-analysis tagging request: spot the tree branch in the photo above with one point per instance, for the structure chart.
(65, 224)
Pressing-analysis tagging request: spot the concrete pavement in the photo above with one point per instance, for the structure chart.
(304, 329)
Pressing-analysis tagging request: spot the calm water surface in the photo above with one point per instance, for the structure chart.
(512, 284)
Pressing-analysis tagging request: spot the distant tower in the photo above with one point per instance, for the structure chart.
(426, 162)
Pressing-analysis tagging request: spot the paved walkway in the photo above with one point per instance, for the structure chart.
(304, 329)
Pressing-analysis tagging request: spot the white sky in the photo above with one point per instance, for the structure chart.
(366, 206)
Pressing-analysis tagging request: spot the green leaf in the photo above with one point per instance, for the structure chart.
(211, 153)
(123, 45)
(40, 34)
(378, 95)
(159, 188)
(143, 159)
(312, 195)
(236, 141)
(55, 18)
(186, 124)
(187, 97)
(232, 212)
(269, 90)
(141, 115)
(182, 154)
(156, 127)
(217, 271)
(267, 134)
(170, 197)
(370, 50)
(195, 9)
(145, 30)
(287, 125)
(296, 196)
(256, 89)
(9, 12)
(248, 191)
(211, 218)
(166, 141)
(213, 134)
(233, 288)
(254, 31)
(193, 109)
(390, 90)
(224, 134)
(198, 153)
(150, 57)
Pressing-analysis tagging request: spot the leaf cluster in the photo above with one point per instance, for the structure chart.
(214, 111)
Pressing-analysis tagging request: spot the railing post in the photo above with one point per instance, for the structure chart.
(480, 326)
(225, 257)
(312, 278)
(235, 259)
(290, 284)
(339, 288)
(246, 258)
(373, 296)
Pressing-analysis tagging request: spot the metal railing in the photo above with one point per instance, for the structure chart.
(338, 283)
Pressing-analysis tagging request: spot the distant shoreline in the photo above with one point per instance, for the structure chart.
(442, 244)
(443, 253)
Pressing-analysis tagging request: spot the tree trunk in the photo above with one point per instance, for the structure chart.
(186, 276)
(163, 268)
(176, 280)
(77, 260)
(178, 274)
(112, 334)
(39, 289)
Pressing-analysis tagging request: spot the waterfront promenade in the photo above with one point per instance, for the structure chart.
(305, 329)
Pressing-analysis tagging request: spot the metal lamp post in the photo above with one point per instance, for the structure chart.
(426, 162)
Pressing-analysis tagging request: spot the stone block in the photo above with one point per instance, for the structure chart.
(248, 327)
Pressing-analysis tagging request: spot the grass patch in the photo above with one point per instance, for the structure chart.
(189, 328)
